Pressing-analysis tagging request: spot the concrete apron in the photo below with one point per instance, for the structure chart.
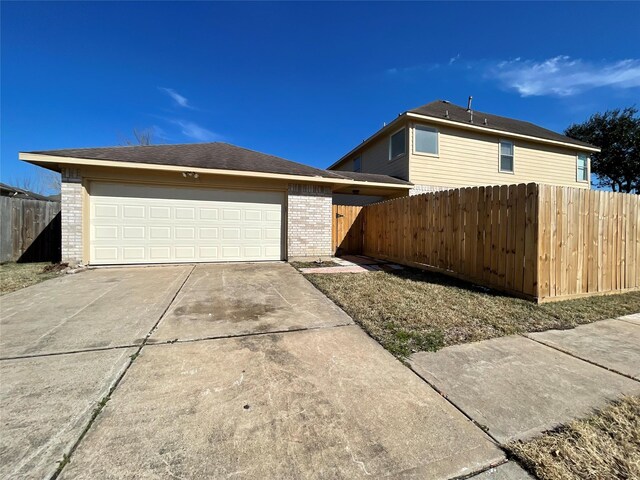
(226, 300)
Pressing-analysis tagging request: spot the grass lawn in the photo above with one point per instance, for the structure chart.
(14, 276)
(603, 446)
(412, 310)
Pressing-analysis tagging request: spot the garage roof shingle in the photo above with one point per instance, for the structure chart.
(216, 156)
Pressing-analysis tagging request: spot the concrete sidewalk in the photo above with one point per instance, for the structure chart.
(518, 387)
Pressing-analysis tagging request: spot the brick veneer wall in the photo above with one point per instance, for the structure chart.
(309, 221)
(71, 199)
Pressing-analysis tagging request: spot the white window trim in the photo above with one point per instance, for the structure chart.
(578, 179)
(513, 156)
(426, 154)
(400, 155)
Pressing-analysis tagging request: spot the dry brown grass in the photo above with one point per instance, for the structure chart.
(603, 446)
(14, 276)
(411, 310)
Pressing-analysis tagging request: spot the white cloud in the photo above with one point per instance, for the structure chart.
(452, 60)
(179, 99)
(197, 132)
(563, 76)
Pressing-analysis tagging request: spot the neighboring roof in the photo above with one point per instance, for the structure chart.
(10, 191)
(439, 108)
(457, 114)
(215, 156)
(371, 177)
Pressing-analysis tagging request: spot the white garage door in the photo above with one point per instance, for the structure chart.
(148, 224)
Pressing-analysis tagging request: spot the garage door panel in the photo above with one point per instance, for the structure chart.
(159, 212)
(230, 252)
(182, 233)
(208, 233)
(143, 224)
(105, 211)
(159, 232)
(133, 253)
(208, 253)
(105, 232)
(106, 254)
(185, 213)
(133, 232)
(133, 211)
(160, 254)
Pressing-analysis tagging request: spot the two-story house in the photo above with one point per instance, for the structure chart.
(441, 145)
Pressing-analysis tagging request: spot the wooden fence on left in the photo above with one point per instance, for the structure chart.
(29, 230)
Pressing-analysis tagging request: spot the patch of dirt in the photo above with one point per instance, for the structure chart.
(55, 267)
(300, 265)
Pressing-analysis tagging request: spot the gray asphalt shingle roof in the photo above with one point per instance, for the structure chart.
(439, 109)
(217, 156)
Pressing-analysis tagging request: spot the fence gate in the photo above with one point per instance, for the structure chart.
(347, 230)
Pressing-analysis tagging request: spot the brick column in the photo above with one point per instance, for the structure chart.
(309, 221)
(71, 207)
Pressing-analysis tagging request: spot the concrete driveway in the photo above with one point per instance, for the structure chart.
(213, 371)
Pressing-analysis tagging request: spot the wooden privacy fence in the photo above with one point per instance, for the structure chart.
(29, 230)
(537, 241)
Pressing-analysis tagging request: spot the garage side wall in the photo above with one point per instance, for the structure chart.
(71, 198)
(309, 221)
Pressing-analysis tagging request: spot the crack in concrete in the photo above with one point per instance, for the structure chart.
(250, 334)
(71, 352)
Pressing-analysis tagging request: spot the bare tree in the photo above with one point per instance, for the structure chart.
(50, 181)
(40, 181)
(28, 183)
(140, 137)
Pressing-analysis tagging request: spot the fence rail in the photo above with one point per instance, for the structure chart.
(29, 230)
(536, 241)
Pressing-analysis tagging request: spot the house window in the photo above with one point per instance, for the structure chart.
(426, 140)
(357, 164)
(506, 156)
(397, 144)
(583, 167)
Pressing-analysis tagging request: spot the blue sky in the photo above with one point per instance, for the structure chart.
(305, 81)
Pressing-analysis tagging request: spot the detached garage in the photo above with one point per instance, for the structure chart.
(197, 203)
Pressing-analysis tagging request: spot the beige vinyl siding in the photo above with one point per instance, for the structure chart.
(375, 158)
(468, 159)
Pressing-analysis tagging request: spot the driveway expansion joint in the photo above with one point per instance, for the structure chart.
(103, 402)
(582, 359)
